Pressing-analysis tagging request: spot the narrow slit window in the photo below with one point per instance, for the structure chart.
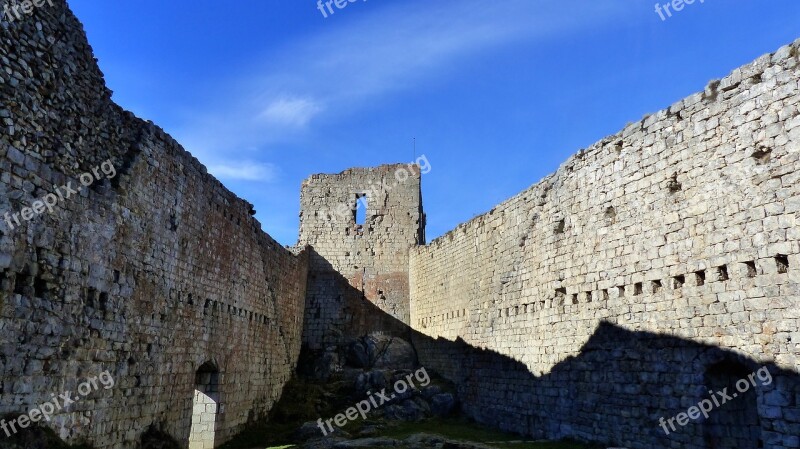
(751, 269)
(40, 288)
(722, 273)
(22, 281)
(361, 208)
(782, 263)
(657, 286)
(700, 278)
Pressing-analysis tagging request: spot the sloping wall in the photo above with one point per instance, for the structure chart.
(147, 274)
(684, 224)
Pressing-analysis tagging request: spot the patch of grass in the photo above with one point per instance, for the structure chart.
(548, 445)
(263, 436)
(463, 430)
(457, 429)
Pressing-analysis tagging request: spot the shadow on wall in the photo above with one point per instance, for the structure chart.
(620, 386)
(331, 319)
(615, 391)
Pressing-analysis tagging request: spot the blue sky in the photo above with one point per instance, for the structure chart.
(497, 93)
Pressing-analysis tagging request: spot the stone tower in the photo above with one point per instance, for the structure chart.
(360, 225)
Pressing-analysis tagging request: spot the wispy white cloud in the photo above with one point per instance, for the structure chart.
(410, 43)
(354, 63)
(295, 112)
(244, 171)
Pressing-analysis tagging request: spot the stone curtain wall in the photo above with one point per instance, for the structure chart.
(351, 264)
(684, 224)
(148, 275)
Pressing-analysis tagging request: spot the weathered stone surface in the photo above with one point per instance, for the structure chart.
(381, 351)
(408, 410)
(682, 225)
(393, 353)
(147, 275)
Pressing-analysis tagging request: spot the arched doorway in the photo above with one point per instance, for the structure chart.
(205, 407)
(735, 424)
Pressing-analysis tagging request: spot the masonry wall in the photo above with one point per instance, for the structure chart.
(148, 275)
(683, 225)
(358, 269)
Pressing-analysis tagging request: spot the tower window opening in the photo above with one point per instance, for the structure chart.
(360, 209)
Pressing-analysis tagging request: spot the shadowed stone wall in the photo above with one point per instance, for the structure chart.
(685, 223)
(149, 274)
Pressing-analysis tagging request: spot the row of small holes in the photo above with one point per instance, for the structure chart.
(781, 261)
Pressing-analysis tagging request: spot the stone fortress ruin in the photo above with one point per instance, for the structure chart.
(659, 264)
